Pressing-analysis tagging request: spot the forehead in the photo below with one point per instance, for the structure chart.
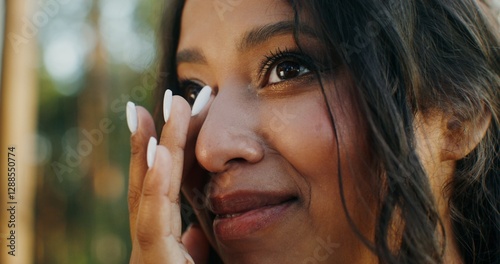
(222, 21)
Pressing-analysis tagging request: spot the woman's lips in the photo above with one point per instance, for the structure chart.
(239, 215)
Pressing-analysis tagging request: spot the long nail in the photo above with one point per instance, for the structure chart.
(131, 117)
(150, 156)
(202, 100)
(167, 104)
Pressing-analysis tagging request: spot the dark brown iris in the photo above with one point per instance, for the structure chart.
(288, 70)
(191, 93)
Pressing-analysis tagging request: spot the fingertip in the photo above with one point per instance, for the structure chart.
(131, 117)
(174, 131)
(182, 106)
(151, 152)
(160, 155)
(158, 175)
(167, 104)
(202, 100)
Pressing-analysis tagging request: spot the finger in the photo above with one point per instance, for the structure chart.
(177, 113)
(193, 131)
(173, 136)
(154, 235)
(144, 130)
(196, 244)
(135, 257)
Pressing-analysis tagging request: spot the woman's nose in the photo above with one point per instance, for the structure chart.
(228, 134)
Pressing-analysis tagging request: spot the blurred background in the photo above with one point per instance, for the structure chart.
(69, 67)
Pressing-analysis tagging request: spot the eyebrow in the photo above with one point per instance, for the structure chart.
(249, 39)
(260, 35)
(190, 56)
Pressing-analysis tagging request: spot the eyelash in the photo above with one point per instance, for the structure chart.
(278, 56)
(270, 61)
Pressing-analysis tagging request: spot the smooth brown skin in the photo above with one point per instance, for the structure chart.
(240, 140)
(155, 220)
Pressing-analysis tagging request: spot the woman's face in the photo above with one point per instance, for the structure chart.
(272, 194)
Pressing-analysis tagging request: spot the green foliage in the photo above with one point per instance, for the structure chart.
(81, 206)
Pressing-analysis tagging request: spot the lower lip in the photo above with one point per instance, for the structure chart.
(246, 224)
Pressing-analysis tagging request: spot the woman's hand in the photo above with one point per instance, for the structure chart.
(155, 179)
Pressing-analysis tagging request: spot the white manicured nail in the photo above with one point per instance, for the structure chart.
(167, 104)
(150, 156)
(201, 100)
(131, 117)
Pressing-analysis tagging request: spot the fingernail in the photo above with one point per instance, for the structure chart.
(150, 156)
(167, 104)
(201, 100)
(131, 117)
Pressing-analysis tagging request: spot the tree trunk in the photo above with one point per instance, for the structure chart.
(18, 110)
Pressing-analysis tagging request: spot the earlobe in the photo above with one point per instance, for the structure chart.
(461, 137)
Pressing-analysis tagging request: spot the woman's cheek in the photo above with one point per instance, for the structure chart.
(299, 130)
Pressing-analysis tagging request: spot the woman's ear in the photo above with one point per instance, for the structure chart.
(461, 137)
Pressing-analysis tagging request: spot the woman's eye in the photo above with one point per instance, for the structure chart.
(286, 70)
(191, 91)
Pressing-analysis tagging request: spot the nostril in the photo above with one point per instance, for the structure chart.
(235, 161)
